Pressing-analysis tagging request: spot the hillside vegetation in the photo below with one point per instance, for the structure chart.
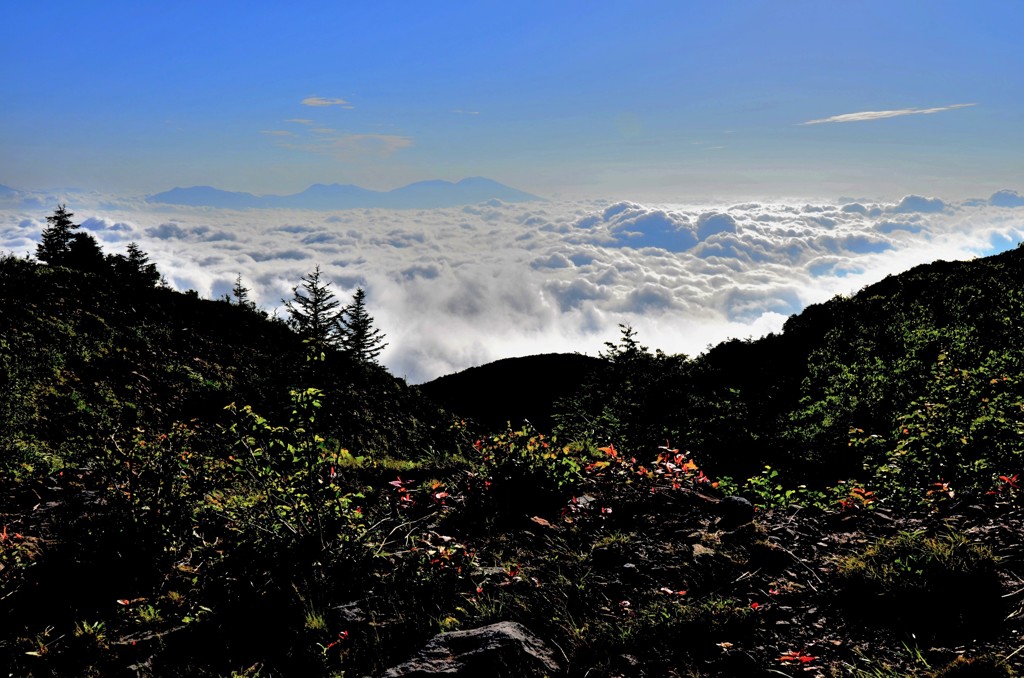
(190, 487)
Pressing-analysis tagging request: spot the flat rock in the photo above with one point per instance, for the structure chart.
(505, 649)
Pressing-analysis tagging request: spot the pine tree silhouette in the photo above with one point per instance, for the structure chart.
(55, 244)
(359, 338)
(313, 312)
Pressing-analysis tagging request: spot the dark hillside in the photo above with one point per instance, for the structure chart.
(513, 390)
(86, 357)
(860, 363)
(186, 488)
(788, 400)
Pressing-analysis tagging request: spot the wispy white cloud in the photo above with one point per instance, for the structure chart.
(315, 138)
(324, 101)
(879, 115)
(460, 111)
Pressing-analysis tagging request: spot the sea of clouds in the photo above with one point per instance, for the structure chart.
(458, 287)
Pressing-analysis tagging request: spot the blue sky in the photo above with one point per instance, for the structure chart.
(640, 100)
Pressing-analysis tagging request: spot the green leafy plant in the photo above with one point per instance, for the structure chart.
(96, 631)
(966, 426)
(768, 491)
(149, 614)
(157, 478)
(290, 493)
(528, 468)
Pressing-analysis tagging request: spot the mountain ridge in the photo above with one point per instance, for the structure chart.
(418, 195)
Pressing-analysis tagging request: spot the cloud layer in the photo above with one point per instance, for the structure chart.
(462, 286)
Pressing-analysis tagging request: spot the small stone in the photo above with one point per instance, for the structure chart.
(701, 551)
(351, 613)
(734, 511)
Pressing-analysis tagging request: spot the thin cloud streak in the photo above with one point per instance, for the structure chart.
(349, 146)
(879, 115)
(324, 101)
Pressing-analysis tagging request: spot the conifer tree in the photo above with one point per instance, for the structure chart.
(134, 270)
(84, 254)
(57, 237)
(313, 312)
(145, 270)
(241, 294)
(359, 338)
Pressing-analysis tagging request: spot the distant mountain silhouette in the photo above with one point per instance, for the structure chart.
(207, 196)
(423, 194)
